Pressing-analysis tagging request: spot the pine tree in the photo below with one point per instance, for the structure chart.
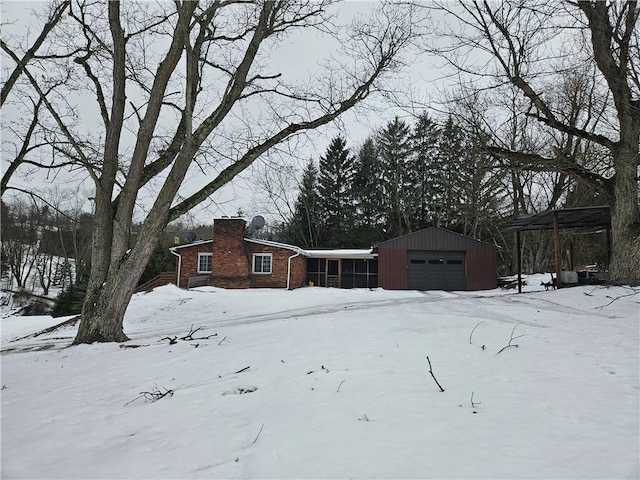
(423, 167)
(449, 176)
(394, 149)
(367, 194)
(302, 228)
(335, 182)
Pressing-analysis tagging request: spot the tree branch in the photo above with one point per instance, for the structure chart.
(54, 18)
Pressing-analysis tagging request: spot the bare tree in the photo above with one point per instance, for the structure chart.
(25, 140)
(533, 44)
(20, 241)
(193, 87)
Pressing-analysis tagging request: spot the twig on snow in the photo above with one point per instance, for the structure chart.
(152, 396)
(434, 377)
(474, 329)
(473, 404)
(189, 336)
(340, 385)
(511, 340)
(633, 292)
(256, 439)
(243, 369)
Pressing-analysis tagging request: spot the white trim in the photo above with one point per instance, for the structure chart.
(253, 263)
(289, 269)
(179, 266)
(269, 243)
(204, 254)
(192, 244)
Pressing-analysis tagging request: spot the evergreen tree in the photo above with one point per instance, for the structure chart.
(394, 149)
(335, 181)
(367, 194)
(302, 228)
(449, 176)
(423, 167)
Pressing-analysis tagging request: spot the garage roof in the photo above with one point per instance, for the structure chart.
(579, 218)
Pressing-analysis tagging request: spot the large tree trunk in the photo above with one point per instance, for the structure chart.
(108, 297)
(625, 218)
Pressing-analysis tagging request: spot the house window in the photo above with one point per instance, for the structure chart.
(204, 262)
(262, 262)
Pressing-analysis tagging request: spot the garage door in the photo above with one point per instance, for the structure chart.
(431, 270)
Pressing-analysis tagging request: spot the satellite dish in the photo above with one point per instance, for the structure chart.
(257, 222)
(190, 236)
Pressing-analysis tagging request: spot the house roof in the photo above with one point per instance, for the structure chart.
(270, 243)
(192, 244)
(319, 253)
(579, 218)
(351, 253)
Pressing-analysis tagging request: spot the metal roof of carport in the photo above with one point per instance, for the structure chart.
(580, 218)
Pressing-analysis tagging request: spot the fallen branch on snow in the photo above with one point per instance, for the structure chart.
(256, 439)
(188, 337)
(474, 329)
(152, 396)
(473, 404)
(434, 377)
(511, 340)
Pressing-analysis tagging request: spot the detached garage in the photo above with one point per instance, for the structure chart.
(436, 259)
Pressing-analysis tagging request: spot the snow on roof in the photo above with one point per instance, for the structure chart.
(326, 253)
(340, 253)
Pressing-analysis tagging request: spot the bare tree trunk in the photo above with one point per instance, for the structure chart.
(624, 267)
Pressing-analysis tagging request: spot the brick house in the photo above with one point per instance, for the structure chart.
(230, 260)
(430, 259)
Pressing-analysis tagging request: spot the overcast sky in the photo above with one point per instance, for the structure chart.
(294, 56)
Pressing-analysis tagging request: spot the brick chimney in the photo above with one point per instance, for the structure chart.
(230, 265)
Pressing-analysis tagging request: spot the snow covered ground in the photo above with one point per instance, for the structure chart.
(327, 383)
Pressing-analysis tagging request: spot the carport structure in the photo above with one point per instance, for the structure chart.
(578, 219)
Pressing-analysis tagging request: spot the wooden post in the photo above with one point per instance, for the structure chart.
(519, 261)
(556, 241)
(571, 263)
(608, 248)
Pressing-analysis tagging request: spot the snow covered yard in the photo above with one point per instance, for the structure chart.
(338, 386)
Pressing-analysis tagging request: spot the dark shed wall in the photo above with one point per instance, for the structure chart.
(392, 269)
(481, 270)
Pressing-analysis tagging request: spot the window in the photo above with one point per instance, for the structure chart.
(262, 262)
(204, 262)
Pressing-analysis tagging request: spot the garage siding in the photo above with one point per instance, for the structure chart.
(479, 261)
(392, 269)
